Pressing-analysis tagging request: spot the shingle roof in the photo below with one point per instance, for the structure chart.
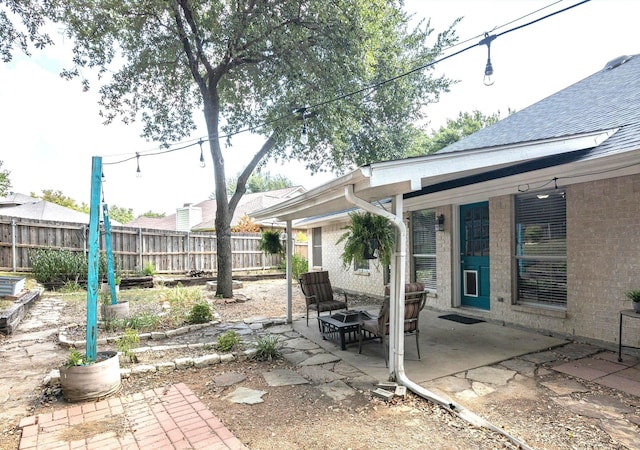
(607, 99)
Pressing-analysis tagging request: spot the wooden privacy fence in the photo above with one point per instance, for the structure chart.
(133, 248)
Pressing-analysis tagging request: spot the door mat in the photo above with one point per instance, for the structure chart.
(460, 319)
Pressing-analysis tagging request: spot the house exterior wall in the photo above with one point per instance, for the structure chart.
(363, 282)
(603, 262)
(603, 257)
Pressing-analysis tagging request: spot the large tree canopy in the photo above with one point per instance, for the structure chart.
(267, 66)
(455, 129)
(21, 23)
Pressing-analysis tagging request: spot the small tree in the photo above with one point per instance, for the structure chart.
(5, 184)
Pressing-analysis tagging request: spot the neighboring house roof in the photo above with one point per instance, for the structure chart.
(154, 223)
(15, 198)
(26, 207)
(41, 210)
(591, 129)
(248, 203)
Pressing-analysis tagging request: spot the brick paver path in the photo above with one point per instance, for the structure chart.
(158, 419)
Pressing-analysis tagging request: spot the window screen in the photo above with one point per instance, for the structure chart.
(423, 240)
(541, 248)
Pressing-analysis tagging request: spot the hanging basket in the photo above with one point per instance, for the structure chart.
(97, 380)
(370, 250)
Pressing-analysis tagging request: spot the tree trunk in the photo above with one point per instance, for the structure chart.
(225, 207)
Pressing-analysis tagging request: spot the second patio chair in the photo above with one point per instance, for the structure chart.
(318, 293)
(414, 300)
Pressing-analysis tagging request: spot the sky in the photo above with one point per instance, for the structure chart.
(50, 129)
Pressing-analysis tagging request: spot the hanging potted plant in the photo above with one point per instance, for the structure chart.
(368, 236)
(270, 242)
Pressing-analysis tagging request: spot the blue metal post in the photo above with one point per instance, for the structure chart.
(93, 258)
(107, 238)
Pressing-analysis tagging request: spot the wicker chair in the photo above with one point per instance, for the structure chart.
(414, 300)
(318, 293)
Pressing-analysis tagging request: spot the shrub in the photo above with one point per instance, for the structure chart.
(299, 265)
(71, 286)
(181, 300)
(149, 269)
(127, 342)
(267, 348)
(200, 313)
(51, 265)
(227, 341)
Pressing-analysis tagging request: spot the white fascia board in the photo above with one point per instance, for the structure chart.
(454, 164)
(592, 169)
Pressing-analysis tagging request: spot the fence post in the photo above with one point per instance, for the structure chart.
(140, 248)
(13, 244)
(188, 264)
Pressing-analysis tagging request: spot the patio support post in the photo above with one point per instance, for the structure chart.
(289, 271)
(396, 289)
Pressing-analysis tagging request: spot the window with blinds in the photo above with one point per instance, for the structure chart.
(423, 241)
(541, 248)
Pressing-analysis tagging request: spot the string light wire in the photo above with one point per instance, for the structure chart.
(192, 142)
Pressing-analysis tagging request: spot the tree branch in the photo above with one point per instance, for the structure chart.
(194, 30)
(241, 185)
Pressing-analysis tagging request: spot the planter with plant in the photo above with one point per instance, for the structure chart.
(634, 296)
(110, 310)
(368, 236)
(84, 380)
(270, 242)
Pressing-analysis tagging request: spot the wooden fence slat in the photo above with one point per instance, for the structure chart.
(168, 251)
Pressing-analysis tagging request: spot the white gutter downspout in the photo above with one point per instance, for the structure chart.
(396, 318)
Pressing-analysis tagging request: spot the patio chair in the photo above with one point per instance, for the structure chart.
(318, 293)
(414, 300)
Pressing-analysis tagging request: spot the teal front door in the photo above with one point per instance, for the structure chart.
(474, 255)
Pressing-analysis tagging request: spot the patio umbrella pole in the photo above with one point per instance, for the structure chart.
(396, 320)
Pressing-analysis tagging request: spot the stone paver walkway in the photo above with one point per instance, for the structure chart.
(161, 419)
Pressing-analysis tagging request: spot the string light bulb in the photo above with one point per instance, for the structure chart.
(202, 163)
(138, 172)
(488, 70)
(304, 137)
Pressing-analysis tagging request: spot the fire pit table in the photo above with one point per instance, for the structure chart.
(343, 327)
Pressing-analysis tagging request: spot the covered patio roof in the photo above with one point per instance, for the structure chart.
(382, 180)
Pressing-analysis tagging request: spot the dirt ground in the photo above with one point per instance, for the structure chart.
(297, 417)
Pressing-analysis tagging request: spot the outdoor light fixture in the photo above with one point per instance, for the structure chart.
(138, 173)
(488, 70)
(440, 223)
(202, 163)
(304, 137)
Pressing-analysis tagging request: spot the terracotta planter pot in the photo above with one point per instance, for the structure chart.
(94, 381)
(117, 311)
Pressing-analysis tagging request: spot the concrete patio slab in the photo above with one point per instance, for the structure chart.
(447, 347)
